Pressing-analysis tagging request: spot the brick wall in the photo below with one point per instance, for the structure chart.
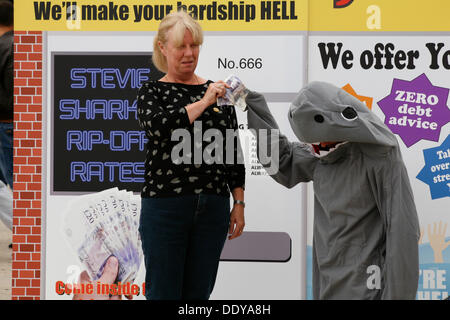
(26, 256)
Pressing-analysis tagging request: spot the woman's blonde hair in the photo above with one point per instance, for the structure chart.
(178, 22)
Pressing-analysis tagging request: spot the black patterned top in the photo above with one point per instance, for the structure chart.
(173, 166)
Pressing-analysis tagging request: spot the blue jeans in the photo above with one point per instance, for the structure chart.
(6, 153)
(182, 239)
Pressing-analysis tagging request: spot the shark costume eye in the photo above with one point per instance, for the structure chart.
(349, 114)
(318, 118)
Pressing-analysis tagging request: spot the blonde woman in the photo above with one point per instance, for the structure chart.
(185, 213)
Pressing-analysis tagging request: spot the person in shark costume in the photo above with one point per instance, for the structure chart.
(366, 229)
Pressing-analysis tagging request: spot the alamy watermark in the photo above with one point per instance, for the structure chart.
(225, 149)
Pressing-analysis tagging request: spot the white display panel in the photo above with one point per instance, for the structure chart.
(60, 263)
(272, 64)
(377, 83)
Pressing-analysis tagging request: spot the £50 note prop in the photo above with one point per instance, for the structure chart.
(103, 224)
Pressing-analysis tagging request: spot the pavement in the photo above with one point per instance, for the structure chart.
(5, 262)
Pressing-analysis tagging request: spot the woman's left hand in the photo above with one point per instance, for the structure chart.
(237, 221)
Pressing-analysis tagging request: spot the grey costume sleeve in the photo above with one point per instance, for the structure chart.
(293, 162)
(395, 202)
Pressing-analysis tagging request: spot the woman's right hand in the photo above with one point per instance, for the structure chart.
(215, 90)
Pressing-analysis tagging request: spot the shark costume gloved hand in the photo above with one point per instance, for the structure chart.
(366, 229)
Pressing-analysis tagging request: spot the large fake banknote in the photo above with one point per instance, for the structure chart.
(103, 224)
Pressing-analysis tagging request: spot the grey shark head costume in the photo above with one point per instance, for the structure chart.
(323, 112)
(366, 230)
